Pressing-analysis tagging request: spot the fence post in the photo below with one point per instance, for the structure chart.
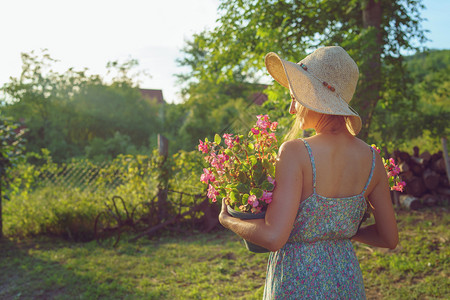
(1, 213)
(163, 149)
(447, 162)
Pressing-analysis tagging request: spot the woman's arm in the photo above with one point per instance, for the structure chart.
(384, 232)
(273, 231)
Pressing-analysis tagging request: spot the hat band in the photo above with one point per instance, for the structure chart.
(324, 83)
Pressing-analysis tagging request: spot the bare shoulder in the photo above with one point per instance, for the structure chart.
(291, 149)
(292, 155)
(361, 143)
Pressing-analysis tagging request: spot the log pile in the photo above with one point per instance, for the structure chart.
(426, 179)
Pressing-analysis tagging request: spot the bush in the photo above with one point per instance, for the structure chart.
(53, 211)
(43, 201)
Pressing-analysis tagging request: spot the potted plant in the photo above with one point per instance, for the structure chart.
(241, 171)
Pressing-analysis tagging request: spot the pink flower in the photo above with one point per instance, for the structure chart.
(263, 121)
(203, 147)
(399, 187)
(207, 176)
(266, 197)
(271, 180)
(229, 141)
(216, 161)
(255, 131)
(227, 136)
(273, 126)
(253, 201)
(212, 193)
(262, 124)
(223, 157)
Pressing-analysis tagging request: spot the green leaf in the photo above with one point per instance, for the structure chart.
(244, 199)
(243, 188)
(242, 178)
(257, 192)
(267, 186)
(246, 166)
(235, 196)
(217, 139)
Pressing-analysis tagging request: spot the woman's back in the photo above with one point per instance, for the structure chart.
(342, 162)
(318, 260)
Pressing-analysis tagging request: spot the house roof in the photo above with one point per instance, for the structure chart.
(258, 98)
(153, 94)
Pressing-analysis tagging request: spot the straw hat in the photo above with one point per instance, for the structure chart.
(323, 81)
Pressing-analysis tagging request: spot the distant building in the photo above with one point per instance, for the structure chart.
(153, 94)
(258, 98)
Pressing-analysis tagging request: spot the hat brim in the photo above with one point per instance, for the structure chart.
(310, 92)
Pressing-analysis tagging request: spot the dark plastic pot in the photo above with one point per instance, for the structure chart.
(249, 216)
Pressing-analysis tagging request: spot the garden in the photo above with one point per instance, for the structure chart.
(102, 190)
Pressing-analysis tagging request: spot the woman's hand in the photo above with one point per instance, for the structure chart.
(224, 215)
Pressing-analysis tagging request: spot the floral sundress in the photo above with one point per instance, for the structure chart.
(318, 261)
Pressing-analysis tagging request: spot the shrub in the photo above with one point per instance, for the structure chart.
(45, 202)
(54, 211)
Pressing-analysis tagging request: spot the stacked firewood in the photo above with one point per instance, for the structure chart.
(426, 179)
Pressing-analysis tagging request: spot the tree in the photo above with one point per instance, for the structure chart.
(66, 112)
(212, 103)
(375, 33)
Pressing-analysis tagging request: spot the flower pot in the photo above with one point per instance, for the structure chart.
(249, 216)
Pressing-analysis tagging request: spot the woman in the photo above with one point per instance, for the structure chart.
(322, 186)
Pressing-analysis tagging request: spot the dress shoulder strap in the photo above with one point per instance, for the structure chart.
(371, 170)
(313, 164)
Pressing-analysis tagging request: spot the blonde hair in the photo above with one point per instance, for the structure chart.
(300, 116)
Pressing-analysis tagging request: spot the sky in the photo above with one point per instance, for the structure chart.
(90, 33)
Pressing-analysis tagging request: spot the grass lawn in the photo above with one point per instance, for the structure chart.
(213, 266)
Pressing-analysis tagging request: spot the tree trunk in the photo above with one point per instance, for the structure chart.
(368, 92)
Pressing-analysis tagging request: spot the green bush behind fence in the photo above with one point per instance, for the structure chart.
(64, 199)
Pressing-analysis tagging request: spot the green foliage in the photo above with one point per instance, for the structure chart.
(212, 103)
(406, 124)
(53, 211)
(46, 199)
(72, 113)
(186, 170)
(11, 152)
(11, 149)
(234, 51)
